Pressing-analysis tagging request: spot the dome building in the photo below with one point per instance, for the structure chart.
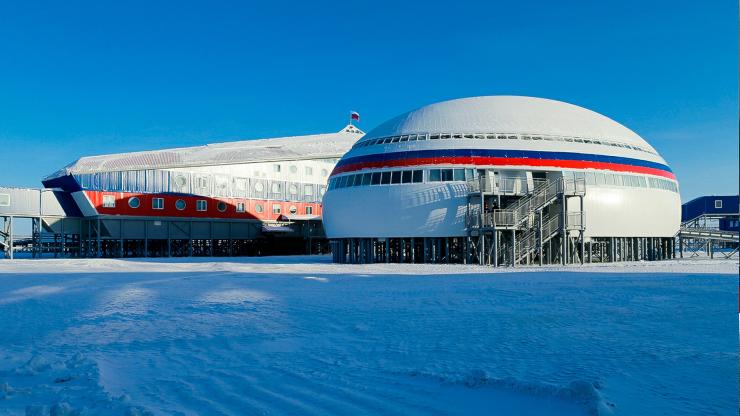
(501, 180)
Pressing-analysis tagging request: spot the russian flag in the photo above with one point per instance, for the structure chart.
(354, 115)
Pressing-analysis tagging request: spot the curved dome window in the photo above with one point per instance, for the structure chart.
(180, 204)
(221, 206)
(258, 208)
(134, 202)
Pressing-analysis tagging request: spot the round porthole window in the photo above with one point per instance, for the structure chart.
(180, 204)
(293, 209)
(258, 208)
(134, 202)
(180, 180)
(293, 169)
(221, 206)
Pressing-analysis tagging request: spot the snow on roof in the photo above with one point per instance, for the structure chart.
(314, 146)
(507, 114)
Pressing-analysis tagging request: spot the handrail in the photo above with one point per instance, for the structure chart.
(504, 186)
(528, 242)
(541, 196)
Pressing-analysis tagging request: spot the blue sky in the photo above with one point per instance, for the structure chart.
(82, 78)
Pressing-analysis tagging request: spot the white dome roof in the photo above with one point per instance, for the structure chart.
(507, 114)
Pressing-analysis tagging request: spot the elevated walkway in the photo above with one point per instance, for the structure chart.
(694, 240)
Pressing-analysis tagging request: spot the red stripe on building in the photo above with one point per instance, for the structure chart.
(145, 206)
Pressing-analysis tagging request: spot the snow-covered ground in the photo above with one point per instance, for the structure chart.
(299, 335)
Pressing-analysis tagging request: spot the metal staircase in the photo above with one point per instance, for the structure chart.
(515, 216)
(532, 220)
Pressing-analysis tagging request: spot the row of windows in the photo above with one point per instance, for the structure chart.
(212, 185)
(461, 175)
(307, 170)
(496, 136)
(401, 176)
(109, 201)
(617, 179)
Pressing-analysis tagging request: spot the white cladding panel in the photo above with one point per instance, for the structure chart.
(438, 210)
(411, 210)
(507, 114)
(631, 212)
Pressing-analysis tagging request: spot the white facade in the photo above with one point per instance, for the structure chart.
(631, 191)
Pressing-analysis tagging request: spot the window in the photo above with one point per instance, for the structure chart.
(293, 209)
(309, 210)
(276, 209)
(180, 181)
(276, 187)
(293, 169)
(309, 170)
(201, 205)
(134, 202)
(385, 178)
(240, 207)
(396, 176)
(718, 203)
(259, 187)
(600, 178)
(293, 189)
(324, 172)
(109, 201)
(366, 179)
(446, 175)
(4, 200)
(180, 204)
(435, 175)
(158, 203)
(221, 206)
(201, 182)
(459, 174)
(358, 180)
(240, 185)
(258, 208)
(418, 176)
(406, 176)
(375, 180)
(308, 190)
(276, 168)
